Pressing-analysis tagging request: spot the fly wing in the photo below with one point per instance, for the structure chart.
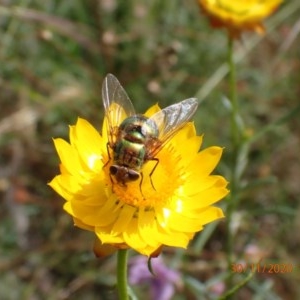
(117, 105)
(169, 120)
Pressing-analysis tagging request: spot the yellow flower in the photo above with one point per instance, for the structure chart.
(142, 217)
(238, 16)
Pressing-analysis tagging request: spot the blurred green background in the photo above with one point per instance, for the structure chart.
(53, 58)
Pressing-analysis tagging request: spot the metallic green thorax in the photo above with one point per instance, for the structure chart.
(130, 149)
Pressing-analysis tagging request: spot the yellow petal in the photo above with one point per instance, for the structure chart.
(187, 135)
(195, 185)
(104, 215)
(124, 217)
(88, 143)
(94, 187)
(205, 162)
(80, 224)
(187, 132)
(69, 157)
(180, 222)
(146, 225)
(132, 237)
(152, 110)
(78, 210)
(175, 239)
(68, 208)
(108, 238)
(155, 235)
(63, 170)
(210, 214)
(148, 251)
(65, 185)
(209, 196)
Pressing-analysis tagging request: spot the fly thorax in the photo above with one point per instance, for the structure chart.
(129, 154)
(133, 136)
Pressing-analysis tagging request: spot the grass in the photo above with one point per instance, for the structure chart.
(53, 58)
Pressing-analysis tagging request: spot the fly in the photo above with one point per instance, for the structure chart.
(134, 139)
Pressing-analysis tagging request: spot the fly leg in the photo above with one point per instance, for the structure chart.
(152, 171)
(109, 159)
(141, 182)
(108, 153)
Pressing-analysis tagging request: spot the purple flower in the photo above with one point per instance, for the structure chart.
(162, 283)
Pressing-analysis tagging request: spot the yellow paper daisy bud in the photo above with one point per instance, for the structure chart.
(238, 16)
(142, 183)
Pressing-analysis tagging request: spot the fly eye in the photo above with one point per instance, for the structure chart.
(133, 175)
(113, 170)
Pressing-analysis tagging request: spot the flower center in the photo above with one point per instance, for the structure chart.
(155, 184)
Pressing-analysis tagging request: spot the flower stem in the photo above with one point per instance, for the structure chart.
(233, 96)
(235, 141)
(122, 274)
